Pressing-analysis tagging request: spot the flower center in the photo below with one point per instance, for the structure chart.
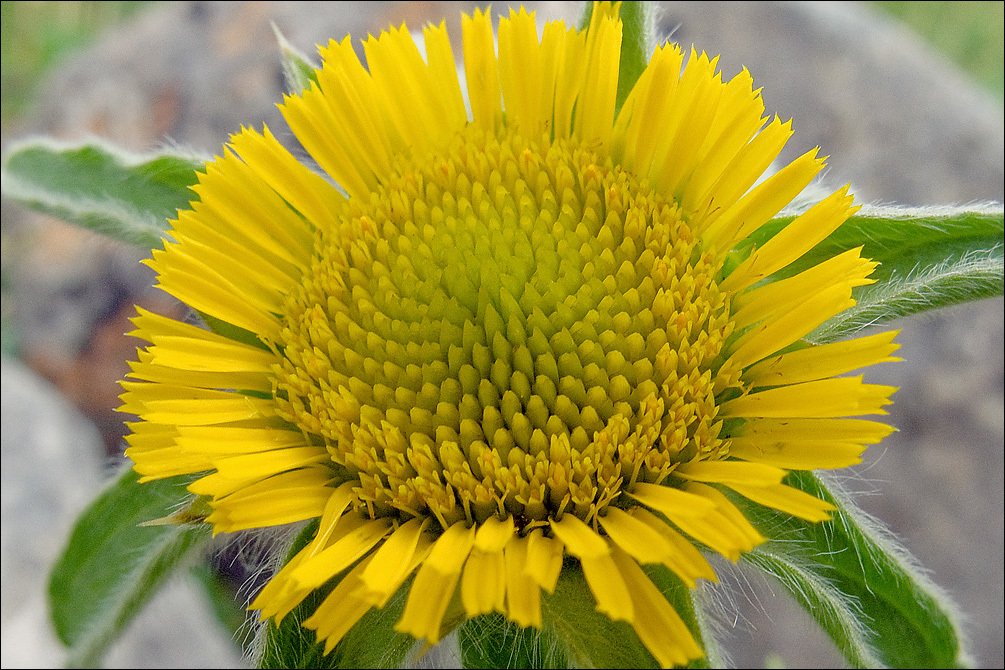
(512, 326)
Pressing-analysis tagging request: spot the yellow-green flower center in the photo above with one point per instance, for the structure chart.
(510, 326)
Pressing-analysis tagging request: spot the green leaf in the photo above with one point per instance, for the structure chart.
(929, 257)
(586, 637)
(863, 588)
(126, 196)
(493, 641)
(574, 633)
(298, 69)
(836, 611)
(371, 643)
(112, 565)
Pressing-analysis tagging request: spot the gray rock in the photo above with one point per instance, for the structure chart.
(53, 464)
(52, 461)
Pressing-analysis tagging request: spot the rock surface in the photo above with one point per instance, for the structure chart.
(900, 124)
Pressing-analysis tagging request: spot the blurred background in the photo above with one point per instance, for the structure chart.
(906, 98)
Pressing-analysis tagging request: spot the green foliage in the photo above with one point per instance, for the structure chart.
(493, 641)
(112, 565)
(971, 34)
(371, 643)
(584, 636)
(298, 69)
(929, 257)
(39, 35)
(102, 188)
(861, 586)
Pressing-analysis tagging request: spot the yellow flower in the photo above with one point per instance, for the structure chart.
(506, 340)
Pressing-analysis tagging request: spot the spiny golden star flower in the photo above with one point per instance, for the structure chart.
(508, 340)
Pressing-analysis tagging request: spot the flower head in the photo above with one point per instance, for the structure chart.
(505, 342)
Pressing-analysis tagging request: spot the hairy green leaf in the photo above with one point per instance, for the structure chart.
(112, 565)
(575, 634)
(492, 641)
(937, 276)
(584, 636)
(127, 196)
(863, 588)
(298, 69)
(836, 611)
(928, 257)
(371, 643)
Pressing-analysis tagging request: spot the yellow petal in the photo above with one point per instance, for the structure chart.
(672, 502)
(728, 510)
(182, 406)
(826, 360)
(443, 74)
(399, 73)
(825, 398)
(770, 336)
(428, 599)
(580, 540)
(285, 498)
(483, 585)
(523, 593)
(697, 516)
(520, 72)
(770, 300)
(808, 430)
(786, 499)
(238, 208)
(698, 94)
(684, 559)
(730, 471)
(595, 103)
(245, 381)
(391, 562)
(641, 541)
(657, 624)
(493, 534)
(255, 466)
(544, 560)
(435, 583)
(315, 571)
(608, 587)
(571, 68)
(481, 70)
(232, 439)
(205, 289)
(317, 200)
(341, 609)
(736, 122)
(805, 444)
(813, 455)
(805, 231)
(762, 202)
(648, 106)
